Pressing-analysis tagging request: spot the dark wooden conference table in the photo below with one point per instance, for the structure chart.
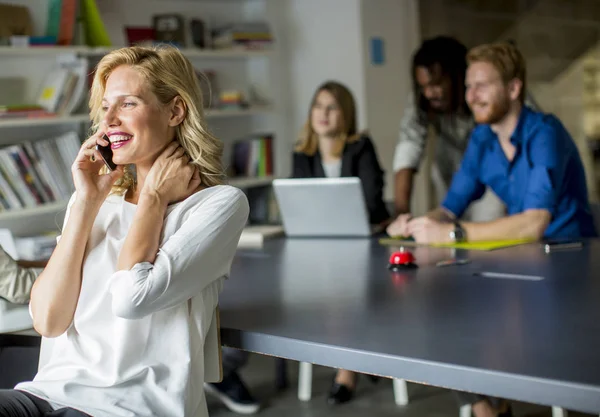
(515, 323)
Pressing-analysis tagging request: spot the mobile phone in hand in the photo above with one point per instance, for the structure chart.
(107, 154)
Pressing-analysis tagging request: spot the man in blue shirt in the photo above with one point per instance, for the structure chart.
(528, 159)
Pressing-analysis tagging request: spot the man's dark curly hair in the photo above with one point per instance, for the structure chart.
(450, 55)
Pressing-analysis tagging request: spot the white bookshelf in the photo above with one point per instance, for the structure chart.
(235, 69)
(56, 207)
(251, 182)
(43, 121)
(45, 51)
(33, 220)
(41, 210)
(84, 118)
(250, 111)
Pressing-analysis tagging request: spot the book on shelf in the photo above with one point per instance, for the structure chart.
(252, 156)
(34, 248)
(24, 111)
(36, 173)
(64, 87)
(31, 248)
(244, 35)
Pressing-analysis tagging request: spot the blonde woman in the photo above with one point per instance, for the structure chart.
(130, 289)
(331, 146)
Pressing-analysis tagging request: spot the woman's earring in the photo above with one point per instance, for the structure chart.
(93, 158)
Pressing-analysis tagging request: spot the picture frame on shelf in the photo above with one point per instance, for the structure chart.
(169, 28)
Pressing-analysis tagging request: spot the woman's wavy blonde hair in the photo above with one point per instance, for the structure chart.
(168, 74)
(308, 142)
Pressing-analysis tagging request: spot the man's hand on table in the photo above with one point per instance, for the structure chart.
(423, 229)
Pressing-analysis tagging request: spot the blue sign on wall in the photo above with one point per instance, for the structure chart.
(377, 51)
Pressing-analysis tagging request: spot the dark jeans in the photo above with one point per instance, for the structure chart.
(15, 403)
(233, 360)
(465, 398)
(17, 364)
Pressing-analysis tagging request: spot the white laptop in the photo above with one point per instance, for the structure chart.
(322, 207)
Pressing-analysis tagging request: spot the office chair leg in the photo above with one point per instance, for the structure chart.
(559, 412)
(400, 392)
(465, 410)
(281, 380)
(305, 381)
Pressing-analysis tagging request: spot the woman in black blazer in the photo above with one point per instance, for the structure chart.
(330, 146)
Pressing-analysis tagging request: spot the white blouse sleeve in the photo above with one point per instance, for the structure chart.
(198, 253)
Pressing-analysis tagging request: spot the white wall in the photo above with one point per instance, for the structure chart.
(388, 85)
(336, 45)
(323, 42)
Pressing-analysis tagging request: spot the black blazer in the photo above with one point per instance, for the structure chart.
(358, 160)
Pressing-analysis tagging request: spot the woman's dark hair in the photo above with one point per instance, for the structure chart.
(449, 55)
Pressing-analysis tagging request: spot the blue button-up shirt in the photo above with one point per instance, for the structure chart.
(545, 173)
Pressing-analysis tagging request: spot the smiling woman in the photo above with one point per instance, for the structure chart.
(136, 88)
(130, 290)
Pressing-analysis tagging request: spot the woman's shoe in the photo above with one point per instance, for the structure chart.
(339, 394)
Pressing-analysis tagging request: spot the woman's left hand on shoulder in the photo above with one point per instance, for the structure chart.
(172, 177)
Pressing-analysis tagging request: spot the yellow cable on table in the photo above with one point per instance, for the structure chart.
(483, 245)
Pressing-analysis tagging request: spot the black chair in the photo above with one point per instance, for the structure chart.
(19, 357)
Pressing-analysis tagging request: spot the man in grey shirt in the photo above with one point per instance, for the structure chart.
(16, 278)
(438, 103)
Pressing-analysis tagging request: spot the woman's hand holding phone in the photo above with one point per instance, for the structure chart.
(172, 177)
(89, 183)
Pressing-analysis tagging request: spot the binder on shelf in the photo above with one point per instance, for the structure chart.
(67, 22)
(253, 156)
(53, 22)
(95, 32)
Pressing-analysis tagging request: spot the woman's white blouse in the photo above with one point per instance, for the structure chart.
(135, 347)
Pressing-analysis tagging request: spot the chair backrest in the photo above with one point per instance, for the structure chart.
(595, 208)
(213, 365)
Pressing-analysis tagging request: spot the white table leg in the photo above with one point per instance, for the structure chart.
(400, 392)
(559, 412)
(465, 410)
(305, 381)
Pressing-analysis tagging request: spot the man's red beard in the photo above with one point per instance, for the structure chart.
(494, 111)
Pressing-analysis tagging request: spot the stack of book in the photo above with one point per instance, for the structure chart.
(253, 156)
(64, 87)
(24, 110)
(249, 35)
(36, 247)
(35, 173)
